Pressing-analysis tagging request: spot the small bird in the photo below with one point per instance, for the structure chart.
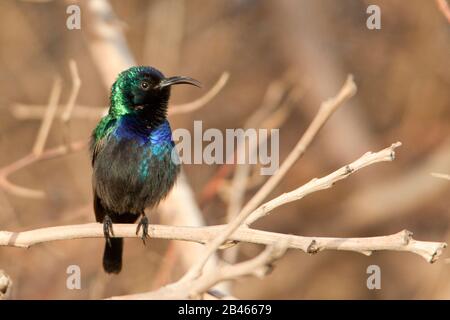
(133, 164)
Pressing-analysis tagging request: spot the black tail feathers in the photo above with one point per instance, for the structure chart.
(112, 256)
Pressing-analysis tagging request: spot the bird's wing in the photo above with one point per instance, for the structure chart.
(99, 210)
(100, 136)
(97, 146)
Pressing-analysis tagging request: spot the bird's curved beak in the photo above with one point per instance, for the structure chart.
(178, 80)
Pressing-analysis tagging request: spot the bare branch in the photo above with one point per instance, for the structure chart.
(401, 241)
(441, 175)
(387, 154)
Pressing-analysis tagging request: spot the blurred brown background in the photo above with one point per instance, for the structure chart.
(403, 75)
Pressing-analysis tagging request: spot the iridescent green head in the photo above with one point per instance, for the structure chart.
(143, 91)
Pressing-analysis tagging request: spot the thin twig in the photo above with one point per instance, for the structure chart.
(202, 101)
(444, 8)
(36, 111)
(420, 187)
(76, 84)
(441, 175)
(23, 111)
(68, 110)
(30, 159)
(48, 118)
(387, 154)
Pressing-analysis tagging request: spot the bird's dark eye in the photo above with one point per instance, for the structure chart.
(145, 85)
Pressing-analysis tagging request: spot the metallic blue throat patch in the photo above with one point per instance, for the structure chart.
(155, 144)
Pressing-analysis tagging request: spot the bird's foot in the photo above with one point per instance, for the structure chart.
(108, 229)
(144, 224)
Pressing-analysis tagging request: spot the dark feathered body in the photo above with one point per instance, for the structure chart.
(133, 158)
(134, 171)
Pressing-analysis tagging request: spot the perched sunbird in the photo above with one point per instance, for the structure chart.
(132, 159)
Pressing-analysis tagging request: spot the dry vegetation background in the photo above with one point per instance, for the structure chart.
(403, 77)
